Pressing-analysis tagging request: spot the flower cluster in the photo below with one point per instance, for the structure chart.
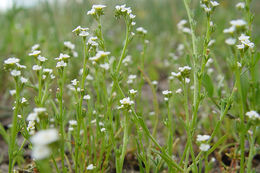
(253, 115)
(126, 103)
(209, 6)
(96, 11)
(34, 117)
(245, 42)
(167, 94)
(126, 12)
(82, 32)
(202, 140)
(99, 56)
(183, 74)
(181, 27)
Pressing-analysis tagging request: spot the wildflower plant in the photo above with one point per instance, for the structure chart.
(89, 121)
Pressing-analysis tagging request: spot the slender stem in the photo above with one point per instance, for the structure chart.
(14, 127)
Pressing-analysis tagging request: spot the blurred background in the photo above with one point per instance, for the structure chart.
(50, 22)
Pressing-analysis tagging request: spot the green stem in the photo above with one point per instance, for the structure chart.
(14, 127)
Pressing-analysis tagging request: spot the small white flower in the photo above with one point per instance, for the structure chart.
(104, 66)
(86, 97)
(203, 138)
(141, 30)
(12, 92)
(41, 58)
(126, 103)
(12, 60)
(240, 5)
(74, 82)
(40, 152)
(230, 30)
(36, 67)
(20, 66)
(73, 122)
(45, 137)
(24, 80)
(253, 115)
(178, 91)
(39, 110)
(181, 24)
(186, 30)
(187, 80)
(214, 3)
(83, 34)
(61, 64)
(131, 76)
(238, 23)
(230, 41)
(33, 117)
(35, 47)
(69, 45)
(166, 92)
(154, 82)
(15, 73)
(102, 129)
(204, 147)
(47, 70)
(35, 53)
(132, 91)
(176, 74)
(99, 55)
(23, 100)
(90, 167)
(211, 42)
(62, 57)
(240, 46)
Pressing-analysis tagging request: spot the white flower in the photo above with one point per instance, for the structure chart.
(86, 97)
(90, 167)
(39, 110)
(33, 117)
(61, 64)
(166, 92)
(12, 60)
(104, 66)
(99, 55)
(245, 41)
(89, 77)
(92, 42)
(62, 57)
(176, 74)
(36, 67)
(186, 30)
(83, 33)
(230, 30)
(181, 24)
(185, 68)
(127, 60)
(230, 41)
(178, 91)
(202, 138)
(74, 82)
(204, 147)
(240, 46)
(24, 80)
(187, 80)
(12, 92)
(41, 58)
(73, 122)
(211, 42)
(20, 66)
(238, 23)
(154, 82)
(253, 115)
(47, 70)
(125, 103)
(15, 73)
(23, 100)
(132, 91)
(132, 76)
(240, 5)
(69, 45)
(214, 3)
(35, 47)
(35, 53)
(96, 9)
(45, 137)
(40, 152)
(141, 30)
(103, 129)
